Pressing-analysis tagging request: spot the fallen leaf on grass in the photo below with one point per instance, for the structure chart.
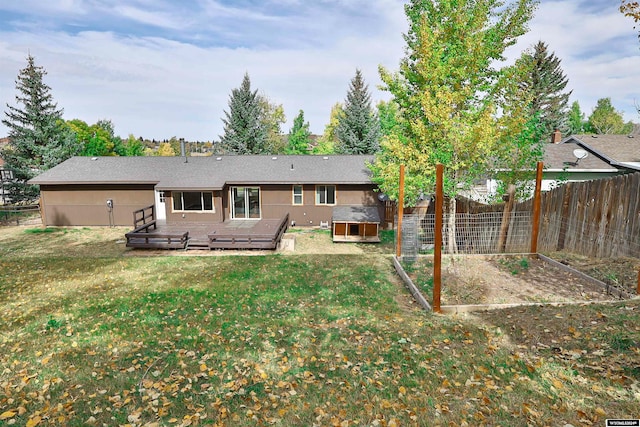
(7, 414)
(34, 421)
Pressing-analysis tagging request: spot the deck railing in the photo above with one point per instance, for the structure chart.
(144, 216)
(144, 221)
(148, 240)
(250, 241)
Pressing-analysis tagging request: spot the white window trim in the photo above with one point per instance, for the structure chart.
(335, 196)
(293, 195)
(232, 204)
(202, 193)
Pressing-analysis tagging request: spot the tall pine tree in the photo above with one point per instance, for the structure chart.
(546, 82)
(244, 129)
(358, 130)
(39, 137)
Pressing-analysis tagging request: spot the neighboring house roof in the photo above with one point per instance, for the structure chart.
(560, 157)
(174, 173)
(620, 151)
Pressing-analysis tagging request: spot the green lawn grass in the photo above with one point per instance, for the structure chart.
(288, 340)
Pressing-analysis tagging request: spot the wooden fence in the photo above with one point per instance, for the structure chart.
(599, 218)
(20, 215)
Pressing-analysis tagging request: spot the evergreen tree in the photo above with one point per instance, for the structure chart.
(244, 128)
(546, 82)
(576, 122)
(358, 130)
(299, 136)
(39, 137)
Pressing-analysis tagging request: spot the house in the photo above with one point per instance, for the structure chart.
(562, 163)
(206, 190)
(618, 151)
(600, 156)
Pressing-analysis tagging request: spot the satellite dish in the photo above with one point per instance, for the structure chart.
(383, 197)
(580, 154)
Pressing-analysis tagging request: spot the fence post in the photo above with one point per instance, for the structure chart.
(536, 210)
(400, 213)
(437, 254)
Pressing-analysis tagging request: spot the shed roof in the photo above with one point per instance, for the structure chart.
(174, 173)
(356, 214)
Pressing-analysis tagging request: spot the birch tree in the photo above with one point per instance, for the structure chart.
(449, 89)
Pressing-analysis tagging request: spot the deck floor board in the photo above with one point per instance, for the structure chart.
(199, 232)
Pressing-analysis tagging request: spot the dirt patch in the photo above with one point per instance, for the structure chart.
(504, 280)
(621, 273)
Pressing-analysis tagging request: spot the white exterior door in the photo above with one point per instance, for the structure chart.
(161, 212)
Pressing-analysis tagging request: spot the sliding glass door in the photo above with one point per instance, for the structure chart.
(245, 202)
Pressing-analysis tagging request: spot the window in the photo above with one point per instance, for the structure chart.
(193, 201)
(325, 195)
(245, 202)
(297, 195)
(161, 196)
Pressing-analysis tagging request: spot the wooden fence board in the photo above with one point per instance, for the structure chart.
(599, 218)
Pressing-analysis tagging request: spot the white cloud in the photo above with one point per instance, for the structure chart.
(157, 19)
(598, 48)
(176, 81)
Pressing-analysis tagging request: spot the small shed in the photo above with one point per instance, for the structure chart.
(355, 224)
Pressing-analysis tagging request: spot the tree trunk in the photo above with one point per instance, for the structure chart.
(506, 218)
(452, 245)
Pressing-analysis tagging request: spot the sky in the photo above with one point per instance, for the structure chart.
(165, 68)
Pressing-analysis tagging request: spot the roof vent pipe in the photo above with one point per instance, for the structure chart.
(183, 151)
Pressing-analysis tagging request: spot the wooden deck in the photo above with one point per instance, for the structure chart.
(231, 234)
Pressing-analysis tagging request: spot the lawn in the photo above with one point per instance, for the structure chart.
(91, 335)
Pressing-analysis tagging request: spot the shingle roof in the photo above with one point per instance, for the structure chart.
(561, 157)
(173, 173)
(614, 149)
(356, 214)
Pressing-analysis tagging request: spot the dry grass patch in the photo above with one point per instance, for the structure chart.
(289, 340)
(62, 241)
